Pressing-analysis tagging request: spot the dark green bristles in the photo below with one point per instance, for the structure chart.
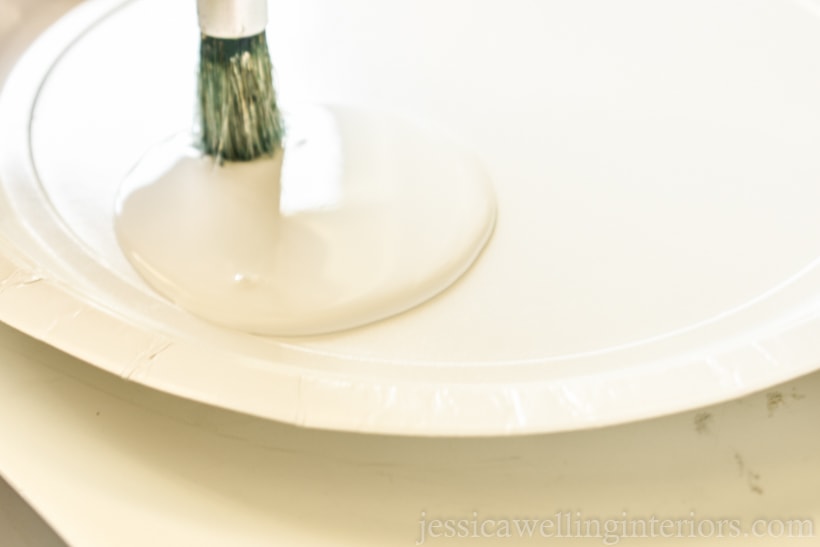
(239, 119)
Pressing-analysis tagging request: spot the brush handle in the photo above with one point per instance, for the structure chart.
(232, 19)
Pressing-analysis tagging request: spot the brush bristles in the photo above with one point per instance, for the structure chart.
(238, 116)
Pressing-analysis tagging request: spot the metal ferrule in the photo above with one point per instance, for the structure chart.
(232, 18)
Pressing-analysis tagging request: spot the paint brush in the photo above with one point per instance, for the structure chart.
(239, 119)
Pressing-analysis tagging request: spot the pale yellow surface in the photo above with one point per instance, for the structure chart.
(108, 462)
(9, 16)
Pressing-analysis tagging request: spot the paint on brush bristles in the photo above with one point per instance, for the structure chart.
(239, 119)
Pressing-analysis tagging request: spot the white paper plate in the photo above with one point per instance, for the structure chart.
(658, 176)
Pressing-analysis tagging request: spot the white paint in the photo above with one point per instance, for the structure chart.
(361, 231)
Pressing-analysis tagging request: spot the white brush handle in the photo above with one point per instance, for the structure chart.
(232, 18)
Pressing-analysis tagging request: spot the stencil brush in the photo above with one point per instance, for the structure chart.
(239, 119)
